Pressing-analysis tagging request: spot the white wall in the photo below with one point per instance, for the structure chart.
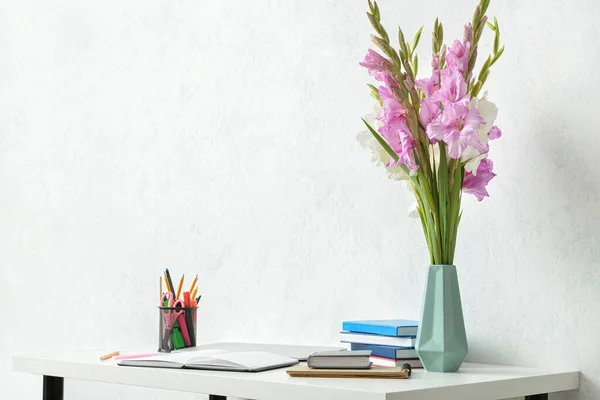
(218, 137)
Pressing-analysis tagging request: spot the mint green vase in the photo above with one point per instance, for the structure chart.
(441, 337)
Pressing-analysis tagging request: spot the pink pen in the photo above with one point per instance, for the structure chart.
(129, 356)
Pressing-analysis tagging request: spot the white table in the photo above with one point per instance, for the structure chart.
(472, 382)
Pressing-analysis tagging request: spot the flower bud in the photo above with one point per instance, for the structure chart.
(468, 36)
(435, 62)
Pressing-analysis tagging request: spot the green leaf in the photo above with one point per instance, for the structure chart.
(416, 64)
(374, 93)
(492, 27)
(417, 38)
(425, 230)
(455, 197)
(400, 35)
(497, 41)
(444, 201)
(382, 142)
(497, 56)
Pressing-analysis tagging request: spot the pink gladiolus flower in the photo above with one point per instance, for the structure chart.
(453, 88)
(458, 56)
(428, 111)
(389, 81)
(398, 136)
(377, 65)
(429, 85)
(391, 108)
(495, 133)
(457, 126)
(476, 184)
(395, 130)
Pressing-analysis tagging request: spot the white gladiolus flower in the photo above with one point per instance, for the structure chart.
(378, 154)
(488, 112)
(396, 173)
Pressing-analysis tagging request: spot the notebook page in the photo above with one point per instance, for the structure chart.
(181, 357)
(247, 359)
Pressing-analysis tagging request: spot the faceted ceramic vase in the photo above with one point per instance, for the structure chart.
(441, 337)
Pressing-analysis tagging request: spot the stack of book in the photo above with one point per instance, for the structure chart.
(391, 341)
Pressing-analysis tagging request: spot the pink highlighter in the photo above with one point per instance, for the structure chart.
(184, 330)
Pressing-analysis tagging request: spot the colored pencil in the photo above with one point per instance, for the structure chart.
(194, 284)
(170, 281)
(167, 283)
(180, 286)
(109, 356)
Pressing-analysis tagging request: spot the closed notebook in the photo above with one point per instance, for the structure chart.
(366, 338)
(386, 327)
(302, 371)
(397, 353)
(214, 359)
(340, 359)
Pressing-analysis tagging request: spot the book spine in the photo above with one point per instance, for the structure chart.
(380, 340)
(371, 329)
(379, 351)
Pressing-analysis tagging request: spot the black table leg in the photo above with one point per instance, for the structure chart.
(53, 388)
(537, 397)
(216, 397)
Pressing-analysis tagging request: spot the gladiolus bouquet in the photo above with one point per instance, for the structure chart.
(434, 132)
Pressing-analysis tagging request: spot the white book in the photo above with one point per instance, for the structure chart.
(365, 338)
(214, 359)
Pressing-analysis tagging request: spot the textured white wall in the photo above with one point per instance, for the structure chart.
(219, 137)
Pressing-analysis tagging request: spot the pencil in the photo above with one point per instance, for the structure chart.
(167, 283)
(194, 293)
(180, 286)
(109, 355)
(160, 279)
(170, 281)
(194, 284)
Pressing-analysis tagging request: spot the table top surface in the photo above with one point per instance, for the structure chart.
(471, 382)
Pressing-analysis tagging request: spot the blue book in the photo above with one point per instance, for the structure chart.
(392, 352)
(384, 327)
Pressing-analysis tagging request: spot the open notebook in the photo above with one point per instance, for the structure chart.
(214, 359)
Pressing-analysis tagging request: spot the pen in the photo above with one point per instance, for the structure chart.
(109, 356)
(180, 286)
(186, 299)
(198, 298)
